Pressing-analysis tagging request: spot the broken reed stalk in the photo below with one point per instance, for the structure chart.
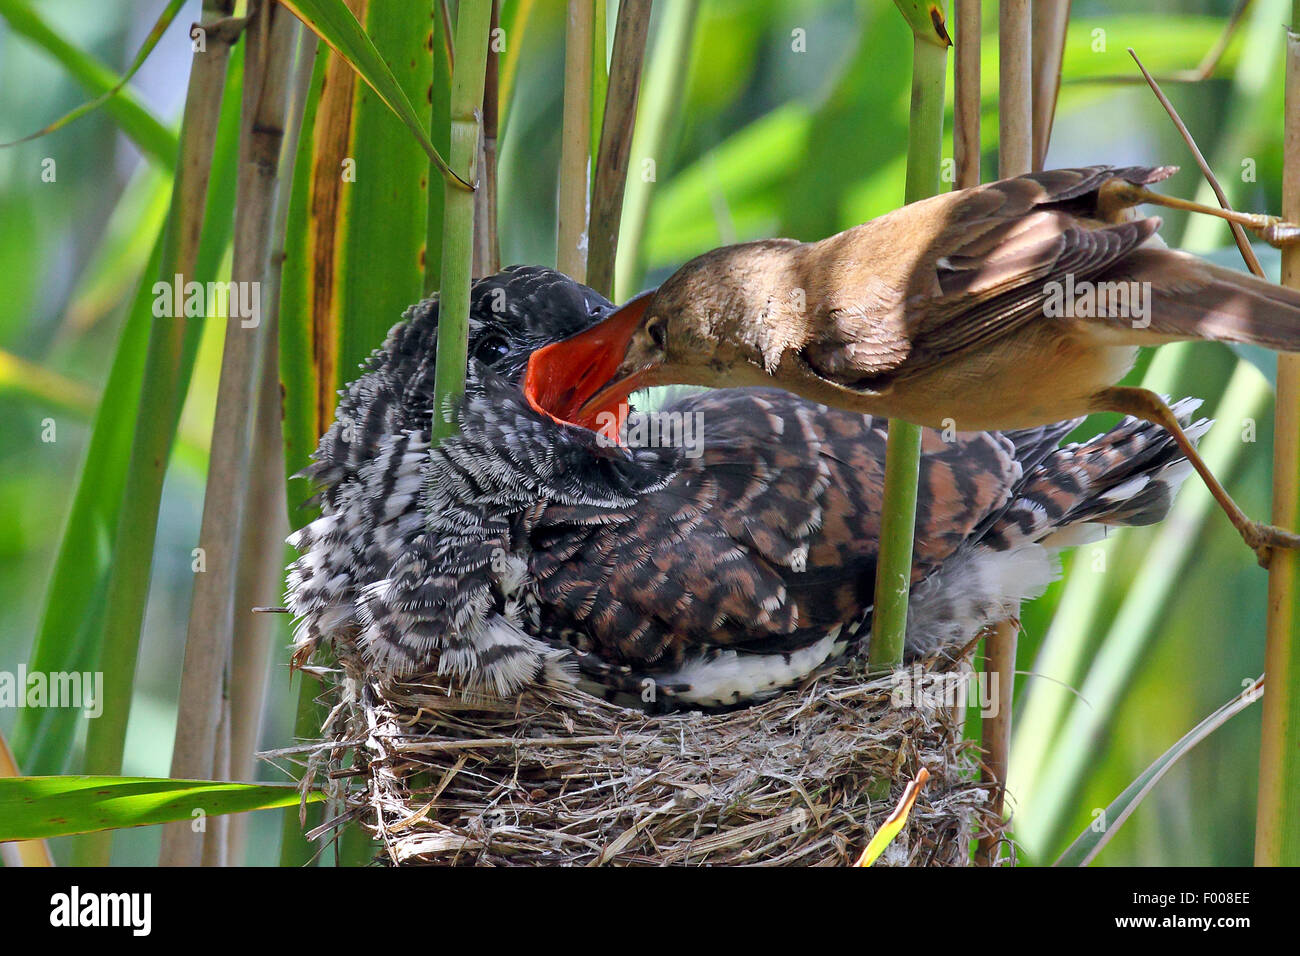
(1277, 828)
(204, 676)
(1050, 20)
(615, 149)
(159, 408)
(966, 94)
(467, 80)
(575, 142)
(1015, 157)
(930, 44)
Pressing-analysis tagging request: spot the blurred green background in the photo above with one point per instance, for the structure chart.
(765, 139)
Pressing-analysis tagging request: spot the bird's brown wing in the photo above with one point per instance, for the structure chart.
(766, 540)
(987, 258)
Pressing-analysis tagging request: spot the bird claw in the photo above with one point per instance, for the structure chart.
(1264, 539)
(1280, 234)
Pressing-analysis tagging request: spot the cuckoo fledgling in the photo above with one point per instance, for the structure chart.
(1007, 305)
(527, 549)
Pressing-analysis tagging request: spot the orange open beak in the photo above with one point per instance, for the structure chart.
(583, 380)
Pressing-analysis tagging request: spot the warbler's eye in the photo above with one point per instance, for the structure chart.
(657, 332)
(491, 349)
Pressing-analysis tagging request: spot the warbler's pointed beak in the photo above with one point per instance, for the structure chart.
(586, 379)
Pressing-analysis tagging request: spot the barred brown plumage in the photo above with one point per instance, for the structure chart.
(1010, 304)
(526, 548)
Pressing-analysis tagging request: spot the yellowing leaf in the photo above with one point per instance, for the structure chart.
(895, 822)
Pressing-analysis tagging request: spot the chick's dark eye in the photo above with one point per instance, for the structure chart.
(491, 349)
(655, 329)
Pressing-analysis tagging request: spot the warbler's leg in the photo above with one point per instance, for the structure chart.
(1147, 405)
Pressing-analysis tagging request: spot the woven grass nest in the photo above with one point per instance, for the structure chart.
(558, 777)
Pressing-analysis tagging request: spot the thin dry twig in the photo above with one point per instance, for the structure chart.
(1238, 233)
(1204, 70)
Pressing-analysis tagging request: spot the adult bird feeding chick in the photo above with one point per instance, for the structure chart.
(526, 549)
(1006, 305)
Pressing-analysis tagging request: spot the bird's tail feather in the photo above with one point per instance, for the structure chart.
(1126, 476)
(1194, 299)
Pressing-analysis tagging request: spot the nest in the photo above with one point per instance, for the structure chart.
(556, 776)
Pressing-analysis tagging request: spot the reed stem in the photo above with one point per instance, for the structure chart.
(665, 82)
(204, 676)
(1015, 157)
(903, 450)
(966, 94)
(1050, 19)
(1277, 828)
(467, 79)
(161, 396)
(487, 250)
(616, 129)
(575, 142)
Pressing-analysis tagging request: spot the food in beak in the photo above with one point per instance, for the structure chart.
(582, 379)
